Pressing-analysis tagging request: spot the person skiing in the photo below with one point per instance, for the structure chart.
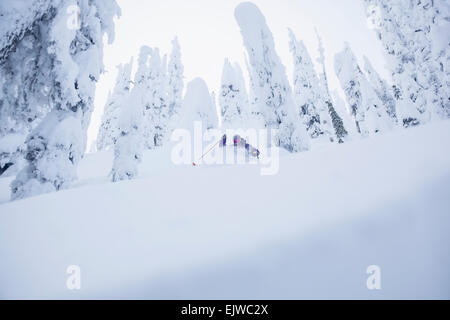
(240, 142)
(224, 141)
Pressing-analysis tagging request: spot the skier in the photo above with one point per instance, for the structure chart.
(224, 141)
(240, 142)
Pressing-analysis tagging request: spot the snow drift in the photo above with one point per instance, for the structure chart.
(226, 232)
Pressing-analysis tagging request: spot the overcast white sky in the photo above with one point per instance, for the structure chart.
(208, 33)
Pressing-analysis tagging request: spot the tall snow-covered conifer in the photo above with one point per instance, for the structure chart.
(175, 75)
(233, 98)
(67, 50)
(311, 104)
(198, 105)
(344, 114)
(366, 108)
(338, 124)
(109, 127)
(25, 81)
(415, 37)
(382, 89)
(128, 144)
(271, 89)
(156, 105)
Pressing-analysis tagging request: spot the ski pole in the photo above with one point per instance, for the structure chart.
(195, 164)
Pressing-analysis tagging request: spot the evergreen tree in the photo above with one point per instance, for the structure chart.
(347, 120)
(271, 89)
(366, 108)
(338, 124)
(381, 88)
(415, 37)
(198, 105)
(133, 127)
(128, 144)
(67, 64)
(156, 106)
(233, 97)
(256, 119)
(25, 83)
(307, 93)
(109, 127)
(175, 76)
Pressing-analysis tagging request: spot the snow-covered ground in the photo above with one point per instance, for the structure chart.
(227, 232)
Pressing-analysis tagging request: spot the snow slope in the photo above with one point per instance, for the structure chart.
(310, 231)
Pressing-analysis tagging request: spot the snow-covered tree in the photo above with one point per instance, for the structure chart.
(366, 108)
(132, 121)
(382, 89)
(198, 105)
(348, 74)
(241, 84)
(63, 42)
(311, 104)
(109, 127)
(233, 98)
(344, 114)
(156, 105)
(338, 124)
(255, 119)
(141, 75)
(415, 37)
(128, 144)
(270, 86)
(24, 79)
(175, 75)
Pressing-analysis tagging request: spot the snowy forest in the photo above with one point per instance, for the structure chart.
(358, 160)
